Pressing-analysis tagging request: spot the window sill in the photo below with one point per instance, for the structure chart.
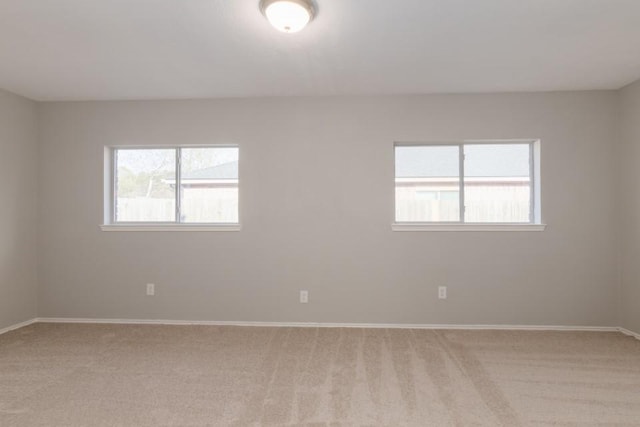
(412, 226)
(170, 227)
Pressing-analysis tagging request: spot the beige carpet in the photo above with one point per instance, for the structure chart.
(126, 375)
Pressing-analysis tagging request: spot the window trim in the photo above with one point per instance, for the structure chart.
(170, 227)
(109, 208)
(468, 226)
(535, 215)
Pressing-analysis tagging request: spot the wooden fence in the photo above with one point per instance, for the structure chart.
(194, 210)
(476, 211)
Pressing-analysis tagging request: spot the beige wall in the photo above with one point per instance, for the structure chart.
(18, 210)
(629, 197)
(316, 196)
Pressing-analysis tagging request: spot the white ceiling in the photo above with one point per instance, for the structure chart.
(150, 49)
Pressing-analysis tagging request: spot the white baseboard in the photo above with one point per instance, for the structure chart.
(17, 326)
(630, 333)
(321, 325)
(330, 325)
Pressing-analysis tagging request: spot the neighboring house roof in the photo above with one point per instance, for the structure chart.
(223, 171)
(421, 162)
(412, 164)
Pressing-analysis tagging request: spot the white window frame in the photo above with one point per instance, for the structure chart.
(535, 223)
(109, 206)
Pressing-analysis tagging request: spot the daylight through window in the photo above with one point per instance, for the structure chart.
(478, 182)
(191, 185)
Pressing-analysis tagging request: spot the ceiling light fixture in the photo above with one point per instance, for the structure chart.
(288, 16)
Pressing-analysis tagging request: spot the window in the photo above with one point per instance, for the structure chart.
(173, 186)
(479, 182)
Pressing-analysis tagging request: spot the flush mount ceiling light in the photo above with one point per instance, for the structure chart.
(288, 16)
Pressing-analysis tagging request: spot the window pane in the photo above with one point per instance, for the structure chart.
(209, 185)
(427, 183)
(497, 185)
(145, 185)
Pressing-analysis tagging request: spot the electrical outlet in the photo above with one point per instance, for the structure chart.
(304, 297)
(151, 289)
(442, 292)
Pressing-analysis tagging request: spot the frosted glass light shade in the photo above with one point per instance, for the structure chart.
(288, 16)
